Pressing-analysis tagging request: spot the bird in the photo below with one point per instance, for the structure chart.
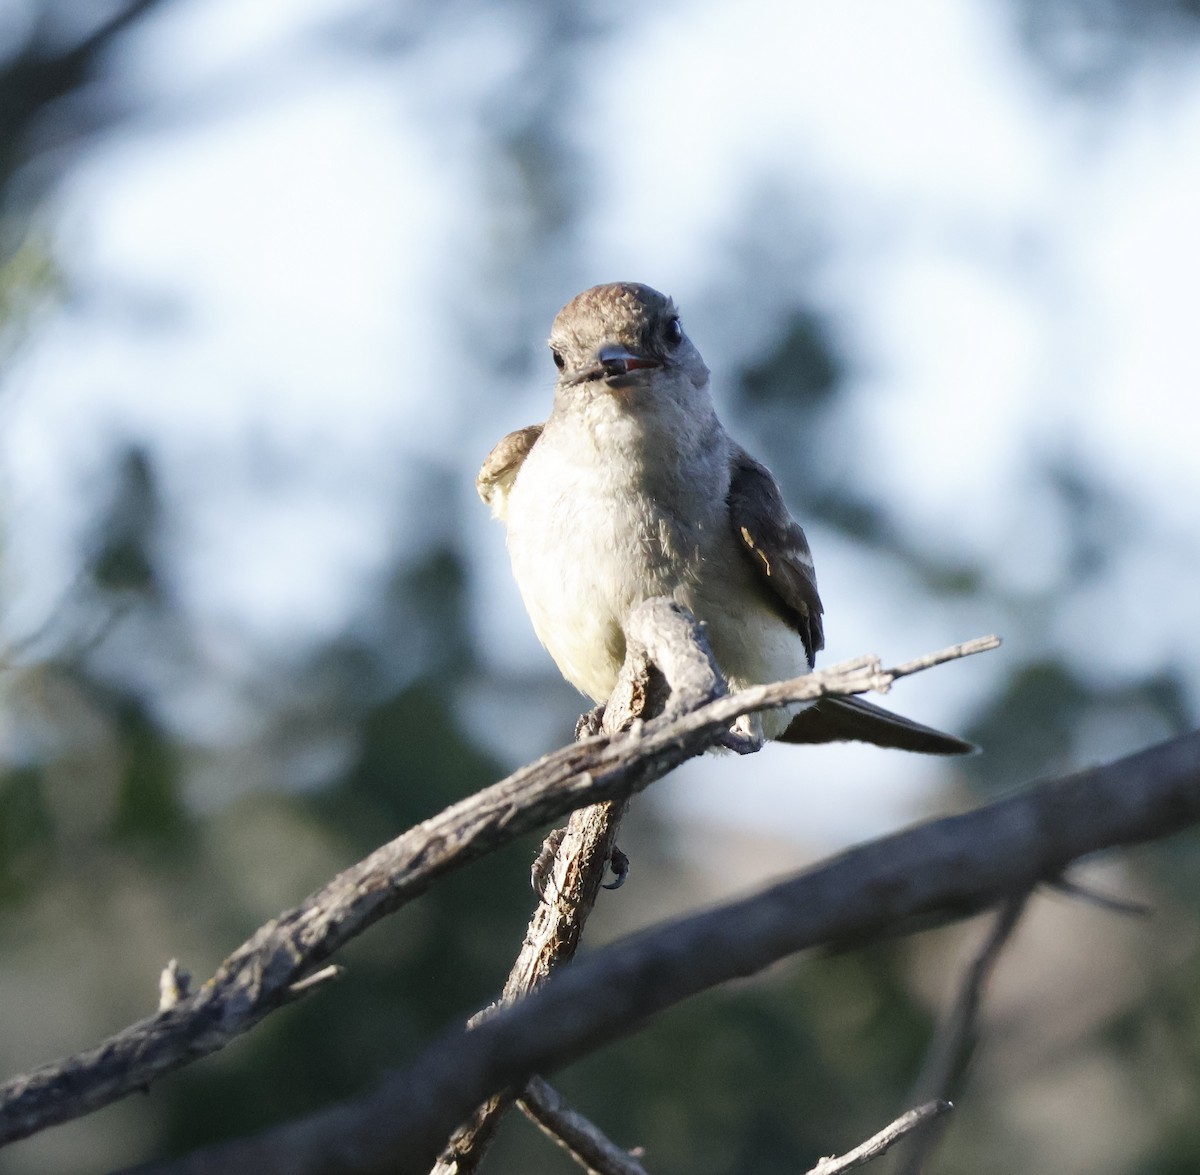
(632, 489)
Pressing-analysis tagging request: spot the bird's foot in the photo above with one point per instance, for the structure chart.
(589, 724)
(744, 737)
(740, 743)
(618, 862)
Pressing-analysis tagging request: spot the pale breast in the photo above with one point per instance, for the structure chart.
(587, 545)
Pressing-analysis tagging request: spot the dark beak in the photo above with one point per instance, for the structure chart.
(618, 361)
(615, 364)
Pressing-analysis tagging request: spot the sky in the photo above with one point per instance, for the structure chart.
(271, 275)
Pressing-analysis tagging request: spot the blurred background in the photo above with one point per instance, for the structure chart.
(273, 279)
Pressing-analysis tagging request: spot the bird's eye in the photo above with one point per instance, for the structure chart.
(673, 332)
(559, 361)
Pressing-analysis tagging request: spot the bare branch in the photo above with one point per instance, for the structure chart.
(589, 1147)
(261, 975)
(981, 644)
(941, 870)
(881, 1143)
(1102, 901)
(552, 938)
(946, 1062)
(667, 663)
(951, 1048)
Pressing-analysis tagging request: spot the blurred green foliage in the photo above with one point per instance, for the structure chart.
(108, 862)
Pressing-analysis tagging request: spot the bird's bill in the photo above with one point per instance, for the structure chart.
(615, 365)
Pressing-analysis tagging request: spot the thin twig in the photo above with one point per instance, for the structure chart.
(859, 675)
(954, 1041)
(587, 1145)
(881, 1143)
(1102, 901)
(980, 644)
(953, 1044)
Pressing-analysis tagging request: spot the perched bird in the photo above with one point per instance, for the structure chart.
(632, 489)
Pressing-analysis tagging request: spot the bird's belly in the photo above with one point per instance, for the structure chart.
(581, 575)
(586, 548)
(586, 551)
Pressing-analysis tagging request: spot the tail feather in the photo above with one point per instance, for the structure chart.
(853, 720)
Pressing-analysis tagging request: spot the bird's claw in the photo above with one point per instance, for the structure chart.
(618, 862)
(740, 742)
(589, 724)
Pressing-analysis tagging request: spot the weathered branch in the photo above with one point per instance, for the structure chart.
(667, 663)
(938, 871)
(571, 887)
(262, 974)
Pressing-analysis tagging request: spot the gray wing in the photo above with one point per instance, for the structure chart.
(776, 548)
(501, 466)
(837, 720)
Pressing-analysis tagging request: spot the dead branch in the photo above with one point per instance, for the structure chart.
(667, 663)
(953, 1044)
(262, 974)
(938, 871)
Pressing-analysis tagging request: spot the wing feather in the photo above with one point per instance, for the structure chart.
(855, 720)
(501, 466)
(776, 547)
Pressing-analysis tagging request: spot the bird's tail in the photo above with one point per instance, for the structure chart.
(836, 719)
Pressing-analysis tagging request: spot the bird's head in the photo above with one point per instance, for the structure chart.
(624, 341)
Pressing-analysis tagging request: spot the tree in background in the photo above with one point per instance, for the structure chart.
(134, 824)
